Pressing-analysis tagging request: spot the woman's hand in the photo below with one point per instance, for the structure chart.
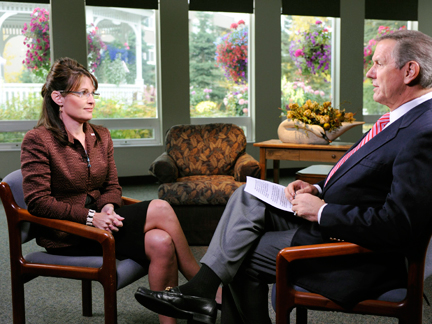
(298, 187)
(107, 219)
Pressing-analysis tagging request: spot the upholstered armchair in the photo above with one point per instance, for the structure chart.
(202, 166)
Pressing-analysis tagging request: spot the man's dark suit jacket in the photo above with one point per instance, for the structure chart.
(380, 199)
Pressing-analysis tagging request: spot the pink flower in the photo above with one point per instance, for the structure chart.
(317, 92)
(245, 110)
(241, 22)
(241, 102)
(318, 22)
(298, 53)
(233, 26)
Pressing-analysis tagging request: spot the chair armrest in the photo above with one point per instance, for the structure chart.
(164, 169)
(246, 165)
(320, 251)
(130, 201)
(82, 230)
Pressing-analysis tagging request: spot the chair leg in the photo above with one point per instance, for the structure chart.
(87, 298)
(18, 306)
(110, 304)
(301, 315)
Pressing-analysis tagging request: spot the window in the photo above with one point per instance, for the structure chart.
(373, 29)
(219, 85)
(116, 37)
(306, 59)
(126, 71)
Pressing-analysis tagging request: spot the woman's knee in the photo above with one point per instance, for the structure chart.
(159, 243)
(160, 209)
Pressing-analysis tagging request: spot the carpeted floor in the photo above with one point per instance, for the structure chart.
(57, 301)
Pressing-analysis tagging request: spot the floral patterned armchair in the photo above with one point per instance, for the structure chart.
(202, 166)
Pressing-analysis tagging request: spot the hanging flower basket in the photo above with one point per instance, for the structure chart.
(37, 40)
(232, 53)
(312, 52)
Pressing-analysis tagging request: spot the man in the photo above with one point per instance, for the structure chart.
(377, 196)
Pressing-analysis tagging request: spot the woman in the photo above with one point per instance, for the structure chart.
(69, 173)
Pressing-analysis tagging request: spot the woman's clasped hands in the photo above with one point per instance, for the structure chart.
(304, 200)
(108, 219)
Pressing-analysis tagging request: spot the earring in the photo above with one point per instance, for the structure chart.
(60, 108)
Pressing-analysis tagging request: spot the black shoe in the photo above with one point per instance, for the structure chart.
(173, 303)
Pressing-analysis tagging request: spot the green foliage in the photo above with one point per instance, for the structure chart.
(22, 108)
(131, 133)
(110, 108)
(112, 71)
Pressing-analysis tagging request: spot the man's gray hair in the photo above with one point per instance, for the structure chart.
(413, 46)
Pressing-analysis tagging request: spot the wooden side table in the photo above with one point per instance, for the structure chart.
(276, 150)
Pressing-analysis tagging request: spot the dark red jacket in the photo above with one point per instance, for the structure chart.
(57, 178)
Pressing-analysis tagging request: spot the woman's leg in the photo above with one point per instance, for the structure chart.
(163, 270)
(160, 215)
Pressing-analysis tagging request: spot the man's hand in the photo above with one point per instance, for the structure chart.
(298, 187)
(307, 206)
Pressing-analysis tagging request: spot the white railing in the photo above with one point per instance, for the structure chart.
(124, 92)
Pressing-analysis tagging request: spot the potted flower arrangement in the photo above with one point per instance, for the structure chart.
(314, 123)
(232, 52)
(311, 53)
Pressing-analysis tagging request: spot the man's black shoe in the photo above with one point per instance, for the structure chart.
(173, 303)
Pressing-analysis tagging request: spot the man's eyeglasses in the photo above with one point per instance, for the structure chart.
(81, 94)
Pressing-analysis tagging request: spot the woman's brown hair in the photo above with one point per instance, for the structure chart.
(65, 74)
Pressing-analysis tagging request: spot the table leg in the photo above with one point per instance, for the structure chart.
(263, 163)
(276, 164)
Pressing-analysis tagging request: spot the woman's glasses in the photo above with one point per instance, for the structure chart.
(82, 94)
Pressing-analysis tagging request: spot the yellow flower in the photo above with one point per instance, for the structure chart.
(316, 114)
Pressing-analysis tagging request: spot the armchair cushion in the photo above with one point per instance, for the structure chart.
(209, 149)
(246, 165)
(199, 190)
(164, 169)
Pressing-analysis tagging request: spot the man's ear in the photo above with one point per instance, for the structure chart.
(57, 97)
(412, 71)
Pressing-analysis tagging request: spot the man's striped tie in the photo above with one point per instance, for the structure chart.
(378, 127)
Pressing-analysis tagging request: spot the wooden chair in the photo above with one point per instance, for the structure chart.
(406, 304)
(111, 273)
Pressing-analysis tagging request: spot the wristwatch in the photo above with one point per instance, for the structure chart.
(90, 215)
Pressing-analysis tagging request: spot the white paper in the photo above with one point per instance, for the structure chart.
(269, 192)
